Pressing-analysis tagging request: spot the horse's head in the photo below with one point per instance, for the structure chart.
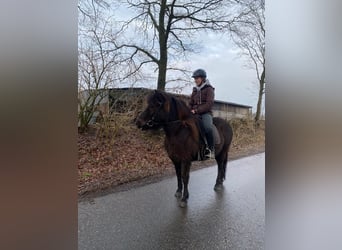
(156, 113)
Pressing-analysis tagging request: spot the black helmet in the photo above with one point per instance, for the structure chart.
(199, 73)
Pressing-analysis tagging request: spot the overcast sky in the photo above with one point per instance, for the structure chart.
(233, 80)
(226, 70)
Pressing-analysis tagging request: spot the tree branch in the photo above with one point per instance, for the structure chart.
(153, 58)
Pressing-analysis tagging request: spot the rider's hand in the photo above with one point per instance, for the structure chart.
(193, 111)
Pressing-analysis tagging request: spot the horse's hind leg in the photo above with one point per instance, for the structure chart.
(221, 170)
(185, 179)
(178, 193)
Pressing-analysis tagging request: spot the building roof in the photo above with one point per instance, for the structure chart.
(182, 95)
(233, 104)
(218, 101)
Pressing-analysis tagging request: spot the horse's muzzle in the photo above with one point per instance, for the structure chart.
(141, 124)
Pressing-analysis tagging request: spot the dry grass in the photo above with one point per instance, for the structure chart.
(248, 137)
(245, 131)
(116, 152)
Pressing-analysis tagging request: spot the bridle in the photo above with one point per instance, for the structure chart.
(152, 122)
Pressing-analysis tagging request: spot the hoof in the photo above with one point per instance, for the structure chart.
(218, 187)
(183, 204)
(178, 194)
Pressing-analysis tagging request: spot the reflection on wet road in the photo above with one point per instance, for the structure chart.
(149, 217)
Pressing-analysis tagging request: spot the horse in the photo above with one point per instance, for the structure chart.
(183, 140)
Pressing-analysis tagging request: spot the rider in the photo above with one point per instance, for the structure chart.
(201, 103)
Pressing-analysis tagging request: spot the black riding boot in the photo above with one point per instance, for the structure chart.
(210, 139)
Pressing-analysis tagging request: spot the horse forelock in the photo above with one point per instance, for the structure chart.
(157, 96)
(163, 98)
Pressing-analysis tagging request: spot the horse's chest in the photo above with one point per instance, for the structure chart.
(180, 148)
(174, 146)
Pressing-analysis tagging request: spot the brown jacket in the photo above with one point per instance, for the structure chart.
(202, 99)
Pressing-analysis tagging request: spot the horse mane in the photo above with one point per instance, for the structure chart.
(183, 111)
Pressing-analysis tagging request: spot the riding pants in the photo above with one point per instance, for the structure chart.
(207, 121)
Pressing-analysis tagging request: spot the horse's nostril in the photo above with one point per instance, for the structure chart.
(138, 123)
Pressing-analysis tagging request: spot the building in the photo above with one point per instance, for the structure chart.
(229, 110)
(226, 110)
(127, 99)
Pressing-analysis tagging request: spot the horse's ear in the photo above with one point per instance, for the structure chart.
(159, 96)
(156, 93)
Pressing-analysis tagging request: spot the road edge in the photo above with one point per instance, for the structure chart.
(90, 196)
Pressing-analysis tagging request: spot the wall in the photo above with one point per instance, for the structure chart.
(223, 110)
(228, 111)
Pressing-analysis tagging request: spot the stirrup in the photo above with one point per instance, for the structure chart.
(209, 154)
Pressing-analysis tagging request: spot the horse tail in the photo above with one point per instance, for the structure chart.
(226, 134)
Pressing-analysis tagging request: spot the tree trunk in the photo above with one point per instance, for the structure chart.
(261, 92)
(162, 73)
(162, 65)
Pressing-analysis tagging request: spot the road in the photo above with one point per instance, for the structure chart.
(149, 217)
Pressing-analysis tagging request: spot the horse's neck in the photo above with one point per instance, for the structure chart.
(179, 111)
(172, 129)
(179, 118)
(175, 129)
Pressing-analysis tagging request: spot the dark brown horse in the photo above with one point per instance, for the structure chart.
(183, 137)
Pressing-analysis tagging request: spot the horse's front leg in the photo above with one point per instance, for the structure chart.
(178, 193)
(185, 168)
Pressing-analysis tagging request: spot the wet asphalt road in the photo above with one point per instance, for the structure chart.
(149, 217)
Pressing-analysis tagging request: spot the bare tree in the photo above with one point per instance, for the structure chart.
(164, 30)
(248, 33)
(96, 65)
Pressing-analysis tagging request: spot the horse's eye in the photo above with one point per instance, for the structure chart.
(154, 107)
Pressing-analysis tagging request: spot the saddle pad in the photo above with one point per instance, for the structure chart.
(216, 134)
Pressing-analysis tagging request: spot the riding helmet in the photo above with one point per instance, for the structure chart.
(199, 73)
